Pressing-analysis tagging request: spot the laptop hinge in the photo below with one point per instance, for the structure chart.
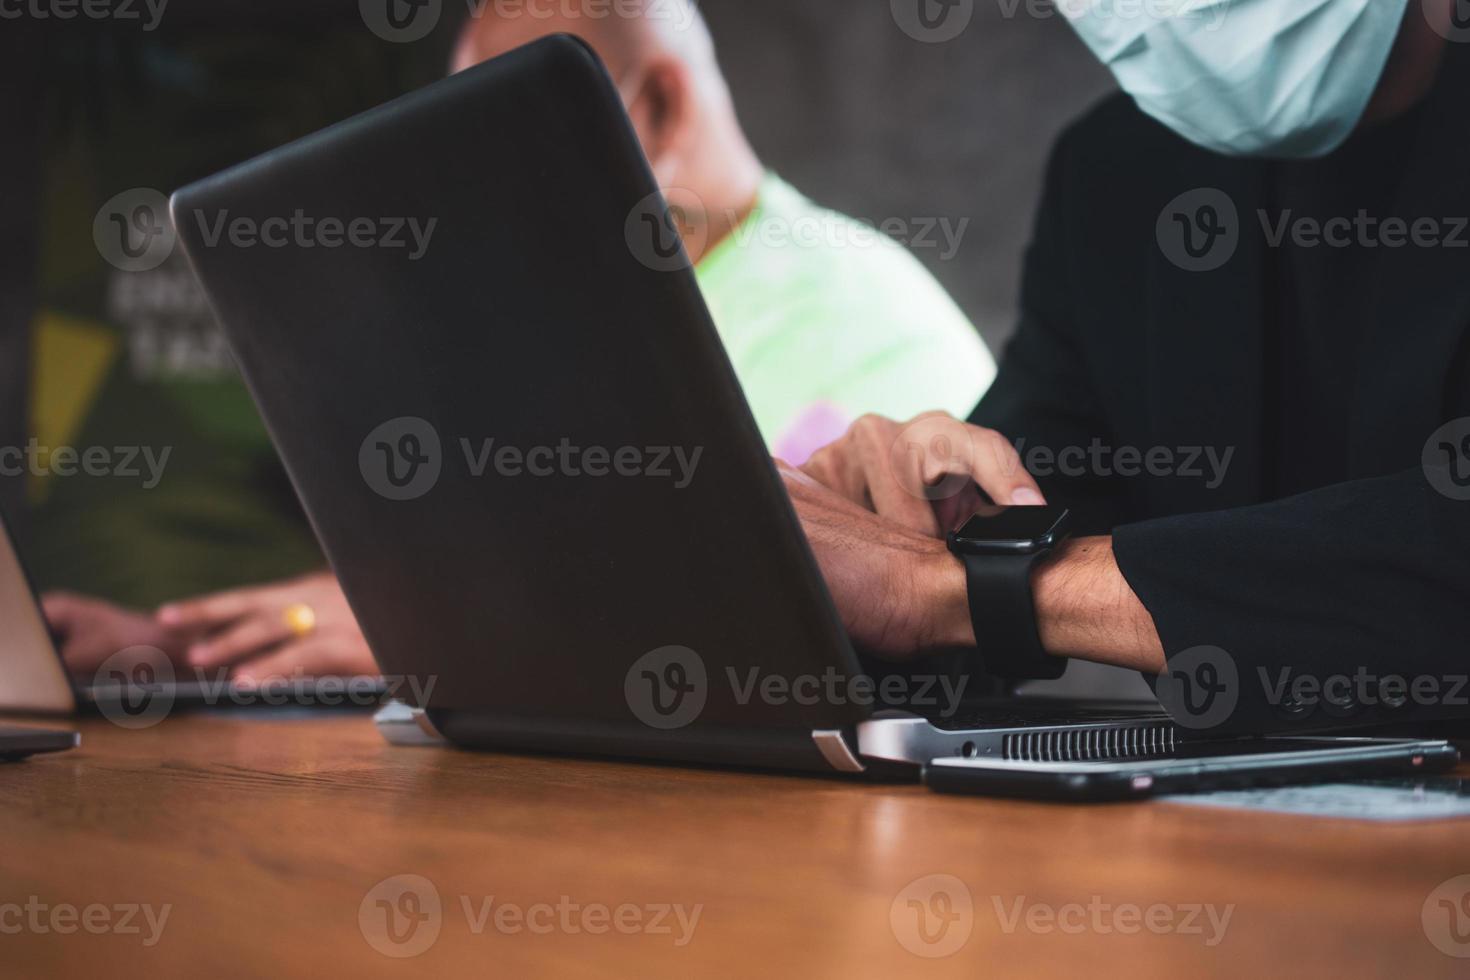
(835, 750)
(403, 724)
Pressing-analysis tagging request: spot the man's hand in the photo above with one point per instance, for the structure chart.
(248, 629)
(899, 592)
(923, 474)
(89, 631)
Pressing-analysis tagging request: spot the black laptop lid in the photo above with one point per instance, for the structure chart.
(527, 320)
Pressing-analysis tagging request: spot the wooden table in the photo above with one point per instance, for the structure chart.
(269, 837)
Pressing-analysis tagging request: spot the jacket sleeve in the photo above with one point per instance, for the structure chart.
(1349, 605)
(1346, 606)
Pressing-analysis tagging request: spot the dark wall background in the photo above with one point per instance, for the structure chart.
(870, 121)
(19, 172)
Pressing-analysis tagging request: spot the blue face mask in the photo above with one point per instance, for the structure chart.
(1282, 78)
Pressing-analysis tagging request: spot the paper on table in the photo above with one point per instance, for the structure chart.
(1387, 801)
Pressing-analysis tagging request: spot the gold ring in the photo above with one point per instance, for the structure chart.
(300, 619)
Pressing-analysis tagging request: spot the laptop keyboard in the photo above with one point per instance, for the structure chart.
(1043, 712)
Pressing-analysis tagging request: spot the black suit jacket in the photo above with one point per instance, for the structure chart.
(1366, 580)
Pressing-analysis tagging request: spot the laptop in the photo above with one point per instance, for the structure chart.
(22, 743)
(529, 460)
(135, 687)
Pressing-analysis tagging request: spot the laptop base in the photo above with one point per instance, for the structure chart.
(21, 743)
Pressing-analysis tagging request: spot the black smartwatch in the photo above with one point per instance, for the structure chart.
(1000, 546)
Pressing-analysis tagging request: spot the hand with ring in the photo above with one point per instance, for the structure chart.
(300, 628)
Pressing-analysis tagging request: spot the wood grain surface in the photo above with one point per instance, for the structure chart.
(280, 844)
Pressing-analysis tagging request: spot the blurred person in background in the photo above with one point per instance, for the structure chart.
(825, 320)
(183, 492)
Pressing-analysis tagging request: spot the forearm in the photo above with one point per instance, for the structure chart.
(1084, 608)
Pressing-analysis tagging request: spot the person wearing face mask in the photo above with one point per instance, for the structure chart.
(1243, 362)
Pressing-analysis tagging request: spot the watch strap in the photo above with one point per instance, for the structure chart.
(1003, 612)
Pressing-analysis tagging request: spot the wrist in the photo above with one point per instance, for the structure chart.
(945, 601)
(1086, 610)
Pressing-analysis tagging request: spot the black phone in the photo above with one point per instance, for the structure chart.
(1194, 768)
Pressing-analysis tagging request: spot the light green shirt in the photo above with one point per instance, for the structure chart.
(827, 319)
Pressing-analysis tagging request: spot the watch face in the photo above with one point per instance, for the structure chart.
(1012, 528)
